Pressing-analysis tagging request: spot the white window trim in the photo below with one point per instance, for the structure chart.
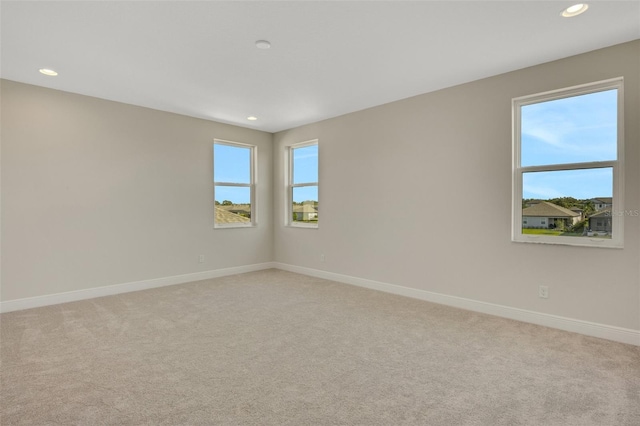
(617, 165)
(289, 185)
(252, 185)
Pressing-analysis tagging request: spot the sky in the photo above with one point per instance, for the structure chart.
(569, 130)
(581, 184)
(305, 170)
(232, 164)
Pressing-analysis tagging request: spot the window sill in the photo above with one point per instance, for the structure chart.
(234, 226)
(303, 225)
(569, 241)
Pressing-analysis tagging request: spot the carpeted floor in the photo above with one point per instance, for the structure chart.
(277, 348)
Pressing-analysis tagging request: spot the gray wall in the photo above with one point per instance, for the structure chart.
(96, 193)
(417, 193)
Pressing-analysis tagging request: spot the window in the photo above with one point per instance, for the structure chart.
(302, 186)
(567, 158)
(234, 184)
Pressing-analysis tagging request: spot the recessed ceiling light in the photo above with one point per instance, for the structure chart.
(575, 10)
(47, 71)
(263, 44)
(252, 118)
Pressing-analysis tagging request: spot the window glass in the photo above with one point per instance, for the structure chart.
(234, 185)
(566, 166)
(562, 203)
(584, 184)
(305, 164)
(570, 130)
(305, 204)
(227, 195)
(232, 163)
(303, 185)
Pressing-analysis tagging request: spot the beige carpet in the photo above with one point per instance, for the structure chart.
(277, 348)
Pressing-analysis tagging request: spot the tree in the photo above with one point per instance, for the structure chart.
(579, 227)
(588, 208)
(566, 202)
(227, 203)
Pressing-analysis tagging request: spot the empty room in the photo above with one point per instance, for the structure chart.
(320, 213)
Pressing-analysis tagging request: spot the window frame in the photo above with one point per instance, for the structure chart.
(253, 153)
(617, 166)
(290, 185)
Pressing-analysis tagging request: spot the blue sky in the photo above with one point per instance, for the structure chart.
(570, 130)
(305, 169)
(305, 193)
(232, 164)
(580, 184)
(305, 162)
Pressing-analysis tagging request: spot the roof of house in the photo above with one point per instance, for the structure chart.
(605, 200)
(223, 216)
(305, 208)
(602, 213)
(547, 209)
(236, 207)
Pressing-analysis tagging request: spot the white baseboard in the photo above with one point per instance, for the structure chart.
(603, 331)
(72, 296)
(618, 334)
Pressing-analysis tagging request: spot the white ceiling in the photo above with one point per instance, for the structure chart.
(327, 58)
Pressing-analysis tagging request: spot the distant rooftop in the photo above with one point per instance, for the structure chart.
(547, 209)
(601, 213)
(305, 208)
(605, 200)
(224, 216)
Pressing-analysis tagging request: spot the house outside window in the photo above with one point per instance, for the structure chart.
(234, 183)
(567, 165)
(302, 185)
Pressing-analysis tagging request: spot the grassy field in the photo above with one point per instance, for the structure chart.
(557, 233)
(542, 232)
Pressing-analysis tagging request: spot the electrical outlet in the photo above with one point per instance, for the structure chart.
(201, 258)
(322, 258)
(543, 292)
